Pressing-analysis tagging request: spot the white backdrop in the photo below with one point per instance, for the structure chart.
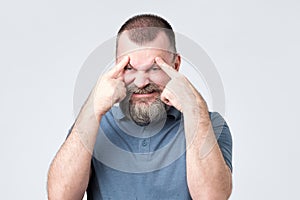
(254, 44)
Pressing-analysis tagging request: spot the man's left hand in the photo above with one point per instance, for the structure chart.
(179, 92)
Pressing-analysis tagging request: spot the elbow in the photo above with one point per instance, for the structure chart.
(57, 189)
(55, 193)
(212, 195)
(215, 191)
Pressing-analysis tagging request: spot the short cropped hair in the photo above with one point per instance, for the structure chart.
(144, 28)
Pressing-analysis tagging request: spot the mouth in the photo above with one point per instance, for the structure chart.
(144, 94)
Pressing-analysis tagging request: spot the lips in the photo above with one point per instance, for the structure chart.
(144, 94)
(149, 91)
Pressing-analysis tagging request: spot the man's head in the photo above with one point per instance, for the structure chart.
(143, 38)
(144, 28)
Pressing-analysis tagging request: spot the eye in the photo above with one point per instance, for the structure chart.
(155, 68)
(128, 68)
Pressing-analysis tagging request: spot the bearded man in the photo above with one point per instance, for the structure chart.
(159, 142)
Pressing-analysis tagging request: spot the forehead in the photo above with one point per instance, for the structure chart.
(126, 46)
(146, 57)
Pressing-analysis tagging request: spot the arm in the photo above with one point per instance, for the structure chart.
(208, 176)
(69, 171)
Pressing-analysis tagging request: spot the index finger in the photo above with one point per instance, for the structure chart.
(170, 71)
(116, 70)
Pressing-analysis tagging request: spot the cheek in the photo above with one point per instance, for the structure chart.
(160, 78)
(128, 78)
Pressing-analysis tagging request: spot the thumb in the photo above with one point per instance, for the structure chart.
(170, 99)
(165, 97)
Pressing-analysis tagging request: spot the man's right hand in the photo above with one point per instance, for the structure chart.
(109, 89)
(70, 170)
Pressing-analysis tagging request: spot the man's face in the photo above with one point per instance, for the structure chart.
(144, 79)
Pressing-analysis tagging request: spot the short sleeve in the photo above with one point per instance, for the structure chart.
(223, 136)
(70, 130)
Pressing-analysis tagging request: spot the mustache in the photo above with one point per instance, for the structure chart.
(150, 88)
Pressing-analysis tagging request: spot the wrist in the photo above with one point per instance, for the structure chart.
(89, 111)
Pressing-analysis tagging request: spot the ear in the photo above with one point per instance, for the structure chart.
(177, 62)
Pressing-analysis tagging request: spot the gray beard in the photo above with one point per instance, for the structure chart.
(142, 112)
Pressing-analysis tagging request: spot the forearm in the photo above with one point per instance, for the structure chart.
(208, 175)
(70, 170)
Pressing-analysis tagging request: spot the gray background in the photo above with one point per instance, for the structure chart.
(254, 45)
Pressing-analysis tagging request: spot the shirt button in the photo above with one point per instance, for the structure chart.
(144, 143)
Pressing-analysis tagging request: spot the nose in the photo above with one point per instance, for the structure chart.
(141, 79)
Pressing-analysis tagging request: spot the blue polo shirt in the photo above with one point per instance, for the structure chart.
(145, 162)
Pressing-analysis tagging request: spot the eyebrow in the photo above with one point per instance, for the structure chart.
(130, 65)
(153, 64)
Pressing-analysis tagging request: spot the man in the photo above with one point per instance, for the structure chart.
(159, 143)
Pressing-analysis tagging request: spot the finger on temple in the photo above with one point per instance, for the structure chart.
(170, 71)
(118, 70)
